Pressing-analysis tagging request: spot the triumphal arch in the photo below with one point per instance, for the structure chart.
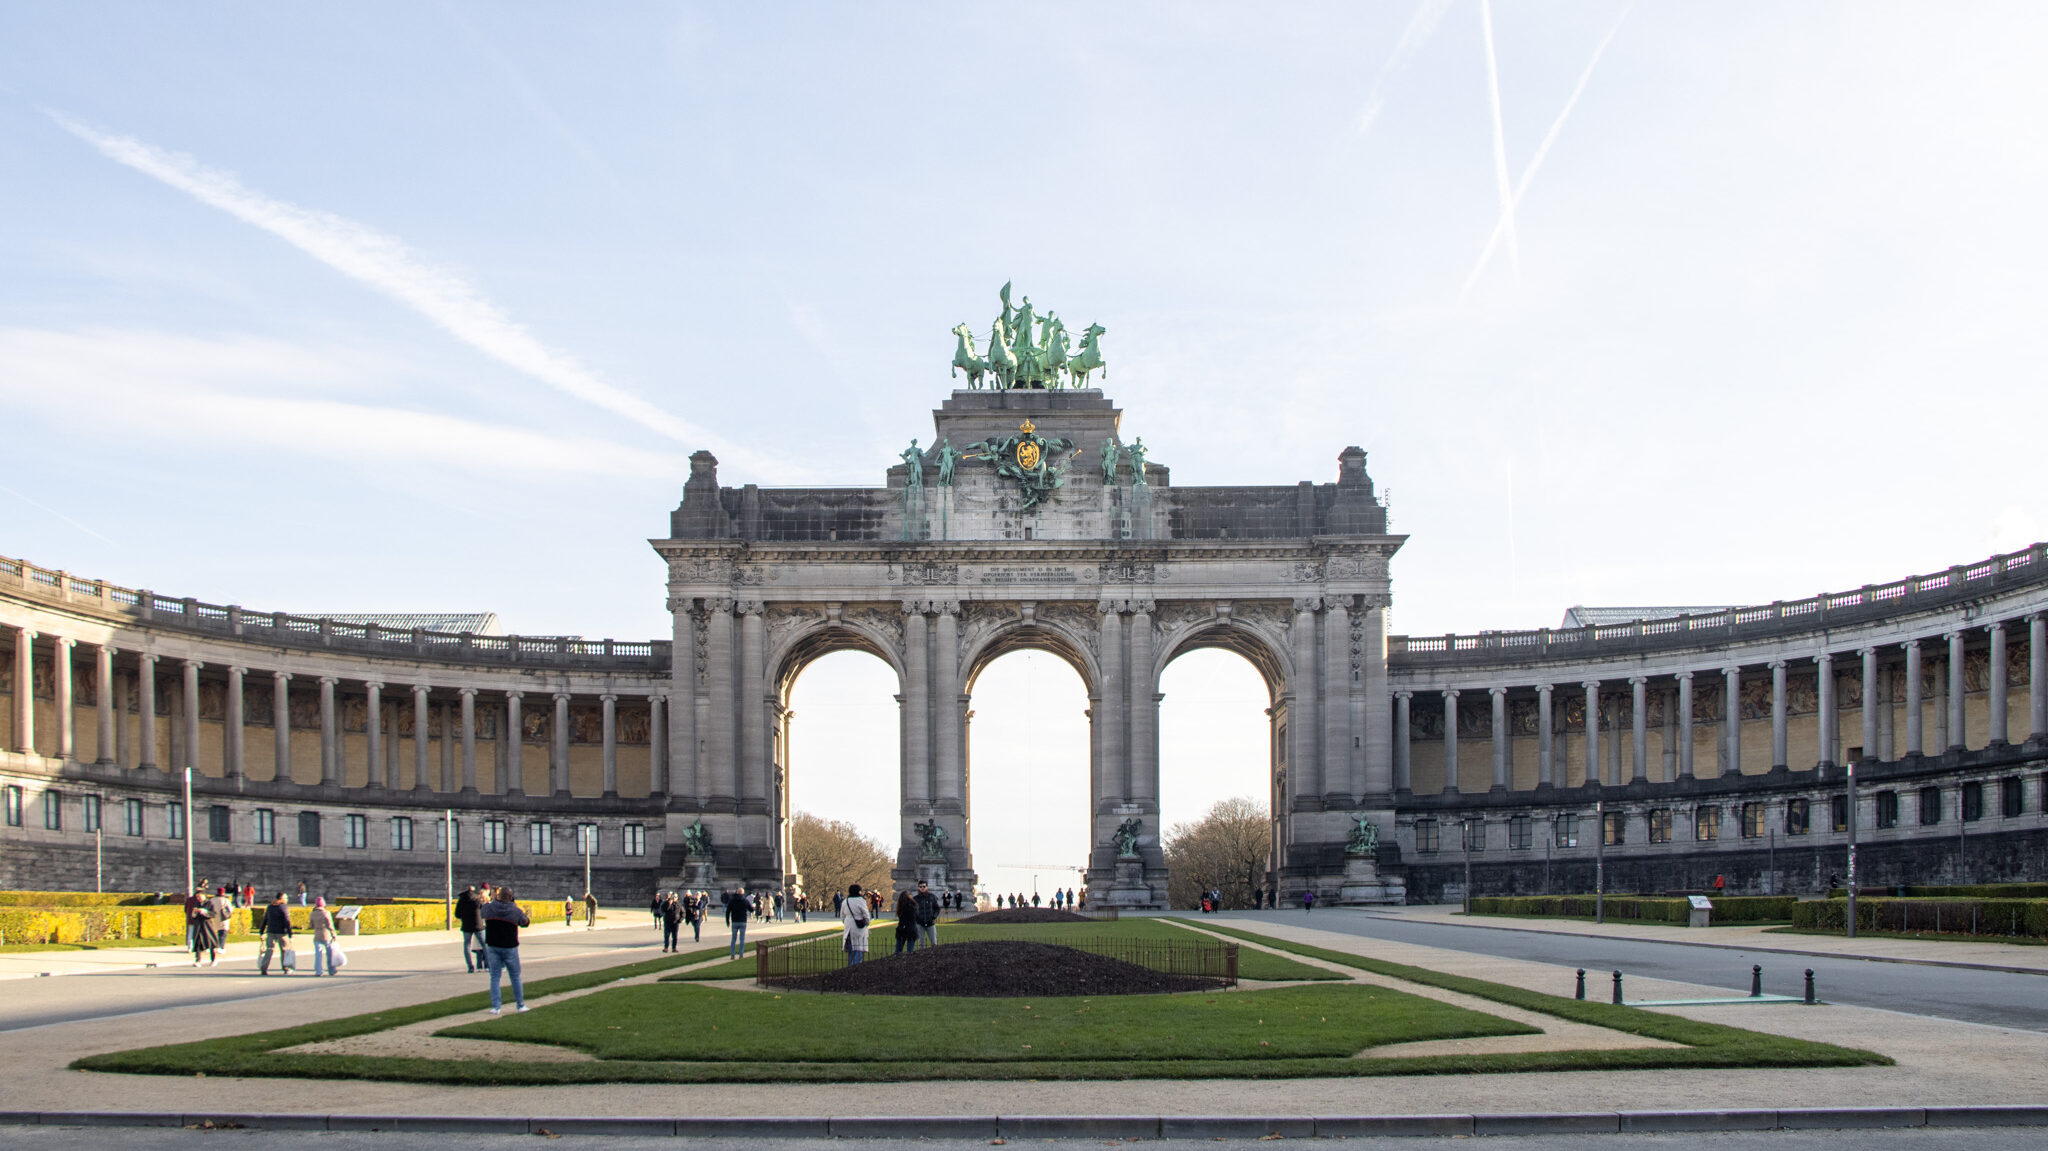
(1030, 521)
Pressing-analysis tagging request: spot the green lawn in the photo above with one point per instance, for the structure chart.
(1251, 964)
(710, 1024)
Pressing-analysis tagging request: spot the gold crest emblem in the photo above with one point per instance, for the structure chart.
(1027, 455)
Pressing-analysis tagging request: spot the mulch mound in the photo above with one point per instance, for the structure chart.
(1001, 969)
(1026, 915)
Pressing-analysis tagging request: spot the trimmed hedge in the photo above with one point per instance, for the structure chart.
(1980, 891)
(76, 924)
(2009, 918)
(1639, 909)
(79, 898)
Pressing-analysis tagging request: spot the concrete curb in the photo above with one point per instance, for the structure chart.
(1765, 948)
(1077, 1126)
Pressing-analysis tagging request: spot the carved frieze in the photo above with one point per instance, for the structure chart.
(1081, 620)
(924, 574)
(784, 622)
(885, 621)
(1307, 571)
(1131, 571)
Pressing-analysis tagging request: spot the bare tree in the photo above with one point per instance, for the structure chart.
(832, 853)
(1224, 850)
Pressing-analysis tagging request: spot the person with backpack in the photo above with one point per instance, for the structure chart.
(502, 921)
(469, 913)
(854, 914)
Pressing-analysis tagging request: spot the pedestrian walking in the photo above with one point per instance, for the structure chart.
(206, 935)
(854, 914)
(502, 921)
(219, 915)
(321, 924)
(469, 914)
(737, 908)
(277, 936)
(589, 911)
(1308, 900)
(671, 924)
(693, 913)
(927, 914)
(568, 911)
(195, 911)
(906, 922)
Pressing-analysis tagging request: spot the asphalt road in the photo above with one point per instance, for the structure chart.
(1994, 997)
(161, 1139)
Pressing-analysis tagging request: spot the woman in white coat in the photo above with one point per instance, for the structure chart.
(854, 913)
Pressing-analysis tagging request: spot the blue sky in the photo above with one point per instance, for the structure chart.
(420, 306)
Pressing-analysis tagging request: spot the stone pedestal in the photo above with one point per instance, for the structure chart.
(1364, 884)
(700, 874)
(933, 871)
(1127, 888)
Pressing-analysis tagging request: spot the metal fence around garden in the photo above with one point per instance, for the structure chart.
(782, 963)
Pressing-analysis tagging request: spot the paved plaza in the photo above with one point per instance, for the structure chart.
(1941, 1061)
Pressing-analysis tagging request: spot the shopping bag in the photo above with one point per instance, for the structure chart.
(336, 957)
(290, 959)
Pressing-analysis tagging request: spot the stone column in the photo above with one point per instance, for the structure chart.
(1957, 737)
(373, 733)
(1914, 744)
(1732, 722)
(560, 760)
(1780, 724)
(145, 709)
(1451, 742)
(422, 737)
(716, 732)
(657, 743)
(191, 712)
(2037, 676)
(1828, 718)
(1144, 709)
(330, 773)
(104, 688)
(447, 726)
(950, 790)
(515, 740)
(1499, 732)
(611, 744)
(468, 696)
(1994, 686)
(1887, 741)
(1639, 732)
(1685, 765)
(1667, 768)
(1303, 718)
(1544, 745)
(281, 726)
(1336, 700)
(1375, 707)
(60, 655)
(24, 691)
(1400, 740)
(1592, 687)
(755, 701)
(917, 710)
(1869, 703)
(233, 762)
(1108, 705)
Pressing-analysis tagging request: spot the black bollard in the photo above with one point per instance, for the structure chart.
(1809, 985)
(1617, 987)
(1756, 981)
(1582, 983)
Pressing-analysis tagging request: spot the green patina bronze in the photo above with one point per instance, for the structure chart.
(1136, 451)
(1027, 459)
(947, 458)
(1025, 351)
(1365, 838)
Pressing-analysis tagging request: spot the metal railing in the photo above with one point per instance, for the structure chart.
(780, 963)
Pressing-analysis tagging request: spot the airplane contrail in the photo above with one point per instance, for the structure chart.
(385, 263)
(1500, 141)
(1418, 30)
(1502, 226)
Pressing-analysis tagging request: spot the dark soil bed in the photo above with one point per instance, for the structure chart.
(1005, 969)
(1025, 915)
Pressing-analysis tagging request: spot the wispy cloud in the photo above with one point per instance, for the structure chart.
(1420, 26)
(236, 394)
(1500, 140)
(42, 507)
(385, 263)
(1504, 227)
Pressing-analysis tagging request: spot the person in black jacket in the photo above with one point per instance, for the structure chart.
(671, 923)
(277, 935)
(927, 914)
(906, 922)
(469, 913)
(737, 909)
(502, 921)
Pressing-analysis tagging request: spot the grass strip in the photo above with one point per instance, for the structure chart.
(1703, 1044)
(1260, 965)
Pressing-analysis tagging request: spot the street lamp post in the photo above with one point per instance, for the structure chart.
(1852, 850)
(1599, 861)
(191, 881)
(448, 863)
